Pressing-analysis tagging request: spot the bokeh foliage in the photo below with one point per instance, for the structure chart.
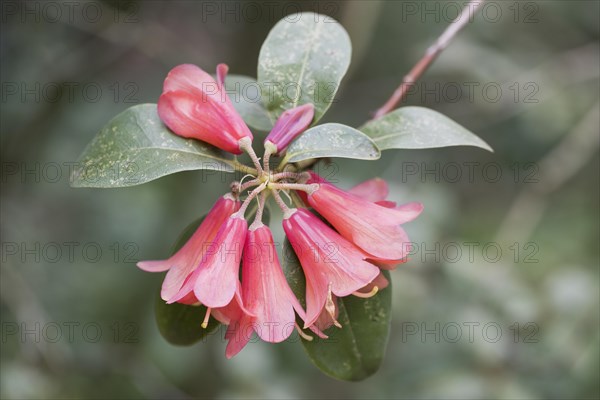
(552, 204)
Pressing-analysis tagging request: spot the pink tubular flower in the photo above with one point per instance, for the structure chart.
(372, 227)
(266, 295)
(332, 265)
(328, 318)
(290, 124)
(194, 105)
(215, 280)
(374, 190)
(182, 263)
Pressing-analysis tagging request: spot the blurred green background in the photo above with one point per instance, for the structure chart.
(507, 248)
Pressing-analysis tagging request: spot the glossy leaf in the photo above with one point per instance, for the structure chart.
(332, 140)
(419, 128)
(179, 323)
(303, 60)
(245, 94)
(136, 147)
(355, 351)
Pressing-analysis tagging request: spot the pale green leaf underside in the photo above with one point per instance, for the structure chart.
(332, 140)
(136, 147)
(419, 128)
(303, 60)
(245, 94)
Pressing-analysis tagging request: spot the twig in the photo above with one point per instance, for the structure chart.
(430, 55)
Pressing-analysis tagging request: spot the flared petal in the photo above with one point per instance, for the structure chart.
(265, 290)
(386, 203)
(154, 265)
(331, 263)
(239, 319)
(373, 228)
(190, 299)
(374, 190)
(238, 335)
(214, 282)
(181, 264)
(380, 282)
(233, 311)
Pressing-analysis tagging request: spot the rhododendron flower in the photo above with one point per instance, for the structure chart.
(181, 264)
(194, 105)
(215, 280)
(265, 293)
(289, 125)
(329, 315)
(332, 265)
(372, 227)
(375, 190)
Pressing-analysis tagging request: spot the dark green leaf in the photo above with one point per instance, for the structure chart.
(332, 140)
(136, 147)
(303, 60)
(419, 128)
(178, 323)
(355, 351)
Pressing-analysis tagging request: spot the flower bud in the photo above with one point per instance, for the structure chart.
(194, 105)
(289, 125)
(332, 265)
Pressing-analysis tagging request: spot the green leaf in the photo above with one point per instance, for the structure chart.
(245, 94)
(303, 60)
(136, 147)
(179, 323)
(419, 128)
(332, 140)
(355, 351)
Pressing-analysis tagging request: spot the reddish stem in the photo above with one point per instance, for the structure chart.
(431, 54)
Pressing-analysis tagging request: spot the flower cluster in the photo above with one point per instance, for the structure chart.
(341, 253)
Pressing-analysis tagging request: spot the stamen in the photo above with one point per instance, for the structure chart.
(244, 177)
(372, 293)
(330, 307)
(287, 195)
(249, 184)
(204, 323)
(280, 202)
(302, 334)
